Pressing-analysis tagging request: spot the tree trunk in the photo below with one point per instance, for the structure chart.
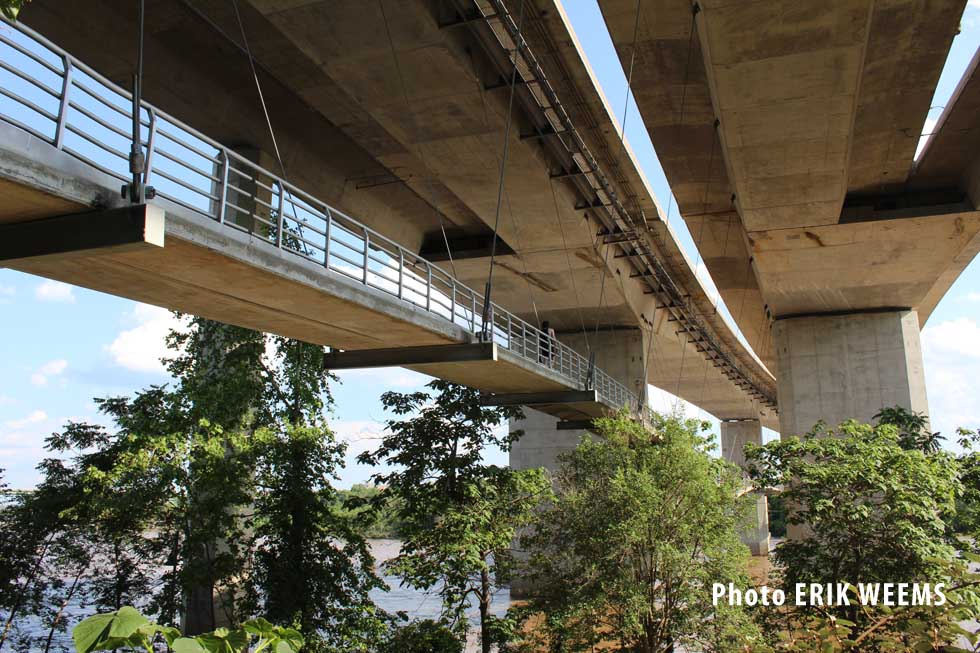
(61, 609)
(485, 596)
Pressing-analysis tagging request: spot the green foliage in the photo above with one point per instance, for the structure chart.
(127, 629)
(424, 636)
(913, 429)
(643, 523)
(777, 516)
(868, 504)
(376, 508)
(313, 565)
(870, 509)
(11, 8)
(210, 501)
(880, 628)
(458, 514)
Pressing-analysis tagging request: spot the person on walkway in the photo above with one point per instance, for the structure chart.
(544, 343)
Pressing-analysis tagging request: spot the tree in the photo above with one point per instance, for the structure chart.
(459, 515)
(867, 509)
(11, 8)
(209, 501)
(869, 506)
(913, 429)
(644, 521)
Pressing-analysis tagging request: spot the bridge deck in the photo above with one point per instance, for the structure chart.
(245, 247)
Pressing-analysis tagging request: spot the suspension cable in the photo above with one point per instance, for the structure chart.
(510, 211)
(272, 132)
(568, 264)
(421, 150)
(487, 311)
(622, 147)
(136, 190)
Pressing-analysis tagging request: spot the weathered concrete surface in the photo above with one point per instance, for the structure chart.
(840, 367)
(415, 146)
(734, 436)
(816, 102)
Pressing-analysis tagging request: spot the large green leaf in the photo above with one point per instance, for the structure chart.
(126, 622)
(91, 631)
(187, 645)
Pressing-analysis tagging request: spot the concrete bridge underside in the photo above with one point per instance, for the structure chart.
(787, 131)
(385, 112)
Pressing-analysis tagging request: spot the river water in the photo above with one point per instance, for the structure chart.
(416, 604)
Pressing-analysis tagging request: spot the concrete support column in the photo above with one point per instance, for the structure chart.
(735, 434)
(839, 367)
(620, 353)
(244, 189)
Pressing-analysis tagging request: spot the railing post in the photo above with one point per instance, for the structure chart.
(223, 187)
(524, 339)
(473, 313)
(510, 336)
(150, 138)
(401, 272)
(367, 250)
(59, 134)
(280, 221)
(326, 238)
(428, 286)
(452, 301)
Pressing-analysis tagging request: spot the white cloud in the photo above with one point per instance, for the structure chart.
(975, 4)
(45, 372)
(951, 353)
(33, 418)
(55, 291)
(360, 435)
(140, 348)
(386, 377)
(973, 296)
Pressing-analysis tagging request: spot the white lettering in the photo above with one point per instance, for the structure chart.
(869, 593)
(717, 591)
(941, 601)
(778, 597)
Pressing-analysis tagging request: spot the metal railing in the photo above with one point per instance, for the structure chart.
(53, 96)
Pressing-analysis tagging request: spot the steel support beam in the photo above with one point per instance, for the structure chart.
(541, 398)
(575, 425)
(127, 228)
(402, 356)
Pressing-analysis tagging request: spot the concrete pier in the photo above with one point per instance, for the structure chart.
(839, 367)
(622, 354)
(735, 434)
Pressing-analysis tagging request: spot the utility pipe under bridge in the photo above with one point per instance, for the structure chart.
(228, 240)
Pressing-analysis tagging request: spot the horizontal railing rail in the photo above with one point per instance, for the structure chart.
(60, 100)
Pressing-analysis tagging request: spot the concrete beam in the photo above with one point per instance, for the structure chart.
(104, 231)
(462, 246)
(402, 356)
(541, 398)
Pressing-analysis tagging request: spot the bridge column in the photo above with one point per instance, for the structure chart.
(735, 434)
(243, 191)
(839, 367)
(620, 353)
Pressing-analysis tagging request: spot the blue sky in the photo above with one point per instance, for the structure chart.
(60, 345)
